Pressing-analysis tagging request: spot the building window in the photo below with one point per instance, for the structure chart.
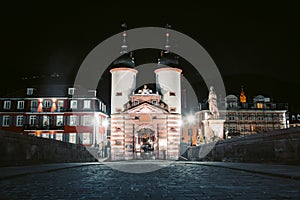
(7, 104)
(34, 104)
(73, 104)
(59, 120)
(6, 120)
(232, 129)
(44, 135)
(47, 103)
(172, 94)
(231, 117)
(154, 102)
(86, 138)
(270, 117)
(240, 117)
(60, 105)
(59, 136)
(136, 102)
(20, 105)
(253, 117)
(246, 117)
(73, 120)
(172, 109)
(32, 120)
(87, 104)
(259, 105)
(19, 121)
(86, 120)
(260, 117)
(281, 117)
(46, 120)
(71, 91)
(72, 138)
(119, 94)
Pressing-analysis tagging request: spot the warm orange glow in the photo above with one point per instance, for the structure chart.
(40, 107)
(53, 108)
(259, 105)
(37, 133)
(243, 98)
(53, 100)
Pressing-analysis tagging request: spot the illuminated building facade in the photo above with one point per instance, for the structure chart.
(68, 117)
(145, 123)
(241, 117)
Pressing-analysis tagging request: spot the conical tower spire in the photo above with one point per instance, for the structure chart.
(167, 45)
(124, 46)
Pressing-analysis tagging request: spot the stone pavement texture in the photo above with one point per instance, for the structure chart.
(177, 180)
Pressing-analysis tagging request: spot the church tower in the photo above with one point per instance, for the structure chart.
(123, 78)
(243, 98)
(168, 79)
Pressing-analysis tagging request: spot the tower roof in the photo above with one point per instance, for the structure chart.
(169, 59)
(126, 60)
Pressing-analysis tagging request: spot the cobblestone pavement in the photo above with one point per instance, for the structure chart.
(176, 181)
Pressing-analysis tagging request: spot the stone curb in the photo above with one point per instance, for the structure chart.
(38, 169)
(240, 168)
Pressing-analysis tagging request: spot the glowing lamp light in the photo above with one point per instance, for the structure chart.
(191, 119)
(105, 123)
(179, 122)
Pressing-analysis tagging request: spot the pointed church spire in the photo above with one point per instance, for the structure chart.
(124, 46)
(243, 98)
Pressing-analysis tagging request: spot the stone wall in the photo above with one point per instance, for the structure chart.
(281, 146)
(19, 149)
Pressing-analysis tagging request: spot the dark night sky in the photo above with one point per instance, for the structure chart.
(253, 45)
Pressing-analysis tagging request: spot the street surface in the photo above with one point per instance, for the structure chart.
(178, 180)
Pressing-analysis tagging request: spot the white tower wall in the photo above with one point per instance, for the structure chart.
(168, 81)
(123, 82)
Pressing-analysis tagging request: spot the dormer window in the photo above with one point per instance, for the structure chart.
(71, 91)
(154, 102)
(29, 91)
(136, 102)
